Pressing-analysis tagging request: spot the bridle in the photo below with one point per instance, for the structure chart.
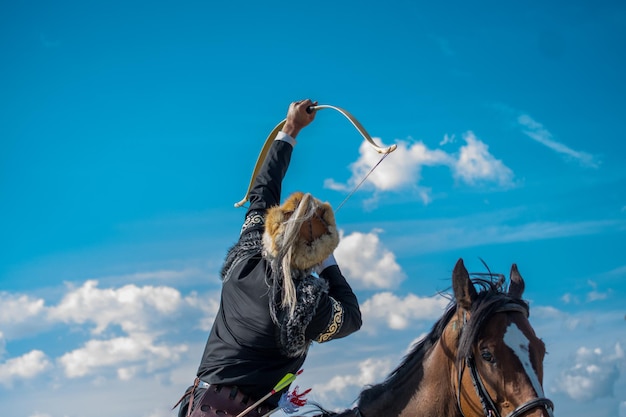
(489, 407)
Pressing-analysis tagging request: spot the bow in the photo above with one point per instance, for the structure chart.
(268, 143)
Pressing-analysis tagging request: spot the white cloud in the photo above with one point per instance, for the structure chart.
(143, 314)
(386, 309)
(366, 262)
(125, 374)
(26, 366)
(131, 307)
(119, 351)
(207, 305)
(596, 295)
(539, 133)
(159, 412)
(370, 371)
(21, 315)
(592, 375)
(404, 171)
(447, 139)
(19, 308)
(475, 164)
(567, 321)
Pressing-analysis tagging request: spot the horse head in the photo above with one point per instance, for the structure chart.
(480, 359)
(499, 359)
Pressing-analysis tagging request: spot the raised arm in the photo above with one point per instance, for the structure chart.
(266, 190)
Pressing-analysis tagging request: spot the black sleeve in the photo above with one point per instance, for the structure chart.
(265, 191)
(338, 313)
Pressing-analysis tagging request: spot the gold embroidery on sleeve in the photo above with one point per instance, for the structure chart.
(254, 219)
(335, 323)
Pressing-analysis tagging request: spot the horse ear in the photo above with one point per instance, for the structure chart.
(464, 290)
(516, 287)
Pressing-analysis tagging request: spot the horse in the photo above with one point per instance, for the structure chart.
(481, 358)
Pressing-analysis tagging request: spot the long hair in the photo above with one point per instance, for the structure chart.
(303, 213)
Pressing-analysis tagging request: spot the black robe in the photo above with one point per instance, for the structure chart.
(246, 347)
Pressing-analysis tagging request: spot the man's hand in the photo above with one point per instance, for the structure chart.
(298, 117)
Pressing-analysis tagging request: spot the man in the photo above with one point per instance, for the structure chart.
(272, 305)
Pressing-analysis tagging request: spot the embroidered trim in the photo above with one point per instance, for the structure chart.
(335, 323)
(253, 219)
(292, 328)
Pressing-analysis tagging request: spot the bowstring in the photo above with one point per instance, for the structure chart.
(361, 182)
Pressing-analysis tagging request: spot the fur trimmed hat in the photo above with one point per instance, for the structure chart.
(303, 228)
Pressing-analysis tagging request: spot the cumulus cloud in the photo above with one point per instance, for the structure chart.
(208, 307)
(539, 133)
(387, 309)
(26, 366)
(366, 262)
(119, 351)
(405, 171)
(592, 374)
(21, 315)
(473, 165)
(131, 307)
(144, 315)
(370, 371)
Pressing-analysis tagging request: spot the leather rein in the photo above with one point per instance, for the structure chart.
(489, 407)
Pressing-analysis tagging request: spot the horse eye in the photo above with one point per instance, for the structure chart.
(487, 356)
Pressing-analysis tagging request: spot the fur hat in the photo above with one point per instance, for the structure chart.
(305, 224)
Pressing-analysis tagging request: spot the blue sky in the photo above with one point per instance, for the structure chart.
(129, 129)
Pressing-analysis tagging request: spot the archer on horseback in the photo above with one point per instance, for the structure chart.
(272, 305)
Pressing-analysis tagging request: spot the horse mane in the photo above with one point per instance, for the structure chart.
(491, 296)
(391, 387)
